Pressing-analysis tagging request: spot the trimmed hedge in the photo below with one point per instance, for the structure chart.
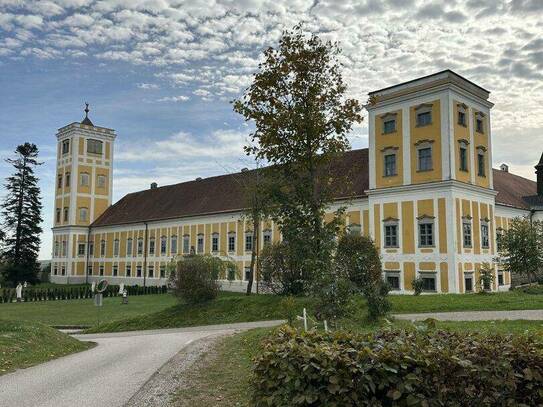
(31, 294)
(398, 368)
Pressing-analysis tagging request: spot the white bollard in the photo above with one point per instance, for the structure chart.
(305, 319)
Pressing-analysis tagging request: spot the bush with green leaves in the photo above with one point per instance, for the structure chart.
(279, 271)
(357, 260)
(418, 285)
(195, 279)
(398, 368)
(486, 277)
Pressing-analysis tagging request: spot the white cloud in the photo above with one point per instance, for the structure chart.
(147, 86)
(180, 98)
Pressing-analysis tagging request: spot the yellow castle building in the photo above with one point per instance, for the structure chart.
(424, 190)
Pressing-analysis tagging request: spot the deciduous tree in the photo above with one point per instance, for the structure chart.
(301, 114)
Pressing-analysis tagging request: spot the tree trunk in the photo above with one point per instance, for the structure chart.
(20, 212)
(256, 223)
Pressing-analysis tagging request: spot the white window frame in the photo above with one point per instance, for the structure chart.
(83, 214)
(469, 276)
(481, 152)
(426, 220)
(467, 221)
(65, 143)
(429, 275)
(480, 118)
(463, 145)
(173, 244)
(80, 252)
(462, 108)
(391, 223)
(186, 244)
(485, 225)
(129, 243)
(140, 247)
(387, 152)
(423, 145)
(101, 181)
(102, 248)
(248, 243)
(163, 245)
(266, 237)
(200, 243)
(152, 246)
(84, 179)
(215, 243)
(231, 235)
(396, 274)
(354, 229)
(95, 146)
(387, 118)
(423, 109)
(116, 247)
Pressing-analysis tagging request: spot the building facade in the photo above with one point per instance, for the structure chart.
(424, 190)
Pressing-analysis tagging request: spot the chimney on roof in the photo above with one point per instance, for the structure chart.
(199, 179)
(504, 167)
(244, 169)
(539, 172)
(154, 185)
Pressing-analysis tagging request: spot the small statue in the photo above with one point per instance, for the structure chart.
(121, 288)
(125, 296)
(19, 292)
(93, 286)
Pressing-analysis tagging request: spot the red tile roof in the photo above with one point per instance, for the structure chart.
(224, 193)
(512, 188)
(220, 194)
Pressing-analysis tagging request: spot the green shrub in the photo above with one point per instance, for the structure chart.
(398, 368)
(418, 285)
(486, 277)
(280, 272)
(195, 279)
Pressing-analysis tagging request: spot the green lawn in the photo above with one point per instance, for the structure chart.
(510, 300)
(24, 344)
(232, 307)
(212, 384)
(83, 312)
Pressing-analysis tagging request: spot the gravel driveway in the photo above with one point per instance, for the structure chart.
(108, 374)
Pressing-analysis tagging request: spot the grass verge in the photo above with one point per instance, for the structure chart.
(226, 308)
(84, 312)
(236, 307)
(213, 382)
(24, 344)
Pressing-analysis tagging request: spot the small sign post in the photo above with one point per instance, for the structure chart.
(98, 297)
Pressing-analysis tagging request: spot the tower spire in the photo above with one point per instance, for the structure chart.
(86, 120)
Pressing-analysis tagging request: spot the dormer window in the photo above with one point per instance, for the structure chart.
(94, 146)
(424, 115)
(389, 123)
(462, 108)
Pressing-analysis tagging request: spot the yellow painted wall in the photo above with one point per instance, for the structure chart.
(481, 139)
(461, 133)
(431, 132)
(442, 215)
(444, 274)
(408, 228)
(409, 275)
(391, 140)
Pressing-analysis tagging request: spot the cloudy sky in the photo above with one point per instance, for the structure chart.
(162, 72)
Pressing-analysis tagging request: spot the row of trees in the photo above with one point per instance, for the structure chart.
(21, 218)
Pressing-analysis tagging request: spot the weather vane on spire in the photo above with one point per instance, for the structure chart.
(86, 120)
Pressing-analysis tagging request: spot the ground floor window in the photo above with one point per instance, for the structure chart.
(138, 271)
(248, 273)
(128, 270)
(63, 270)
(55, 271)
(81, 249)
(393, 280)
(101, 270)
(500, 278)
(89, 270)
(151, 271)
(115, 270)
(162, 271)
(231, 273)
(468, 283)
(428, 282)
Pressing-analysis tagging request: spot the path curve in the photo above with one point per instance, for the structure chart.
(108, 374)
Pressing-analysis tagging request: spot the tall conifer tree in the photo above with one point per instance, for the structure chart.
(21, 212)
